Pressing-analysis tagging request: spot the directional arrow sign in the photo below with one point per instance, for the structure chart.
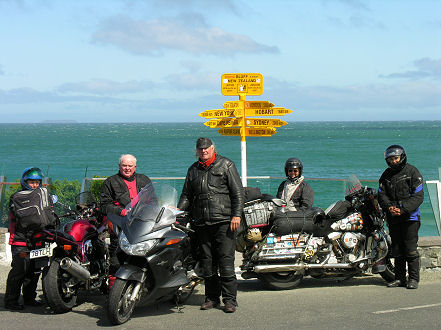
(227, 122)
(248, 104)
(268, 131)
(270, 122)
(242, 83)
(217, 113)
(263, 112)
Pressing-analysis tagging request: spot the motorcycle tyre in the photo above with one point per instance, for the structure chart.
(389, 274)
(53, 292)
(118, 296)
(281, 280)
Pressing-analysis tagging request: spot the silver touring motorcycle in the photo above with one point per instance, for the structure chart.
(280, 247)
(158, 263)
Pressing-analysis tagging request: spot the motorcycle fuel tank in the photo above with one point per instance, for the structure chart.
(79, 229)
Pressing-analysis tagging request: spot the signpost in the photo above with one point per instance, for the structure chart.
(234, 119)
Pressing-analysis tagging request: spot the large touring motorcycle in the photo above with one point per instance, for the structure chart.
(281, 247)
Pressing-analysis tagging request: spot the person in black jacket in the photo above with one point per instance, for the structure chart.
(117, 192)
(297, 193)
(400, 195)
(30, 209)
(214, 196)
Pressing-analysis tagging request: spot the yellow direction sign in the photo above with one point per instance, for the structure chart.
(217, 113)
(270, 122)
(227, 122)
(279, 111)
(267, 131)
(242, 83)
(248, 104)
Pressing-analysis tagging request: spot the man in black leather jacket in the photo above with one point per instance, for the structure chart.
(117, 192)
(214, 196)
(400, 195)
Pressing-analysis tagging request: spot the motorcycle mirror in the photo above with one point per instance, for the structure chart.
(54, 199)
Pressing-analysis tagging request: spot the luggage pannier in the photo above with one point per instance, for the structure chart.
(258, 214)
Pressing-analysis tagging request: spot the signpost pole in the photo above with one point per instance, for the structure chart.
(243, 141)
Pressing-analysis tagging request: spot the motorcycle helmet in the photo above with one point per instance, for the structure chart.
(293, 163)
(31, 173)
(392, 151)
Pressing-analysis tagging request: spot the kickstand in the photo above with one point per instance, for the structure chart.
(179, 306)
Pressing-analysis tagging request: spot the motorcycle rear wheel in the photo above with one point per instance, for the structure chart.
(389, 274)
(281, 280)
(120, 307)
(54, 289)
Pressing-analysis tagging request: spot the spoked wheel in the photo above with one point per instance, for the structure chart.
(59, 289)
(389, 274)
(120, 306)
(281, 280)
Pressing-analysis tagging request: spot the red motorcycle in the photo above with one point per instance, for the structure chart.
(80, 259)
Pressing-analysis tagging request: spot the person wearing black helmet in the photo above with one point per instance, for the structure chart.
(30, 209)
(294, 190)
(400, 195)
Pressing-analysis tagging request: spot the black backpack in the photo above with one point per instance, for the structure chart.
(33, 208)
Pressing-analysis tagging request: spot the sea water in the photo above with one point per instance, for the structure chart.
(330, 152)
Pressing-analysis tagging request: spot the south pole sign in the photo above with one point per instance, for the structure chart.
(234, 119)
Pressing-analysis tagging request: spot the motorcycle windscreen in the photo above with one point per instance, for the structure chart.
(152, 210)
(352, 185)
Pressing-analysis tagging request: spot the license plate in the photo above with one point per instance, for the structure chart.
(44, 252)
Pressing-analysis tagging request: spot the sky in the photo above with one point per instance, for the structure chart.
(162, 60)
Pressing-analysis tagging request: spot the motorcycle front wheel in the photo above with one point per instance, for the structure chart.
(120, 306)
(60, 297)
(389, 274)
(281, 280)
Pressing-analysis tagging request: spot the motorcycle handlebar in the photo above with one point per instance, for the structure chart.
(185, 229)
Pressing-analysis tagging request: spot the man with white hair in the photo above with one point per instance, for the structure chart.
(117, 192)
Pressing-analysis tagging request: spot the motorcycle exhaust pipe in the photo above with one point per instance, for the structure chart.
(75, 269)
(295, 267)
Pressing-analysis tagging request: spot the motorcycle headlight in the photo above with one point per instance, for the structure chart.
(138, 249)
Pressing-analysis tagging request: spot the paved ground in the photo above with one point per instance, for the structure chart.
(362, 302)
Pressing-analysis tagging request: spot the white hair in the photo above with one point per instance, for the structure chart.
(133, 158)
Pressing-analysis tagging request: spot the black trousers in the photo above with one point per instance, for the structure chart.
(22, 274)
(218, 243)
(404, 248)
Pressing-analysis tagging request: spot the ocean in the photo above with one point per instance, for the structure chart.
(330, 152)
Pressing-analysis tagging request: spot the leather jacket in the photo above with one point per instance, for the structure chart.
(402, 188)
(214, 194)
(115, 194)
(303, 197)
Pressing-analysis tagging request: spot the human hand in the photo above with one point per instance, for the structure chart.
(235, 223)
(395, 211)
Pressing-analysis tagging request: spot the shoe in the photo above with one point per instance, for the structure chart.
(34, 303)
(14, 307)
(396, 283)
(412, 284)
(209, 304)
(229, 308)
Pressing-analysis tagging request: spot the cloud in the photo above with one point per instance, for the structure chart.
(202, 81)
(104, 86)
(188, 33)
(426, 68)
